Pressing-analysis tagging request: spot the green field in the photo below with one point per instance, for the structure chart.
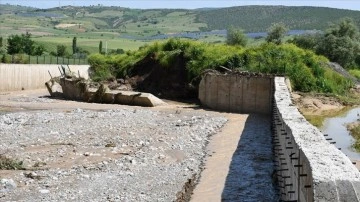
(90, 44)
(114, 25)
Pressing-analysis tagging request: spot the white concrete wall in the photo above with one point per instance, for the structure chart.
(32, 76)
(309, 168)
(237, 93)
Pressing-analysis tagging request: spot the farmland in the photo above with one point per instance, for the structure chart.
(128, 29)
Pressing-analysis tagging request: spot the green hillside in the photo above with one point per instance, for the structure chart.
(154, 21)
(130, 28)
(259, 18)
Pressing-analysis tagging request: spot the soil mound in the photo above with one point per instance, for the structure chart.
(148, 75)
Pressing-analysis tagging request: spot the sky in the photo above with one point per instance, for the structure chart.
(146, 4)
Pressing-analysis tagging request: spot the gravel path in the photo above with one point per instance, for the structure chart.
(113, 155)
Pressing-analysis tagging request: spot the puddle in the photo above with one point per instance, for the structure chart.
(336, 129)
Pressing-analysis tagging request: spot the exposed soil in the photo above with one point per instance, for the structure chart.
(323, 106)
(353, 125)
(164, 82)
(63, 25)
(316, 104)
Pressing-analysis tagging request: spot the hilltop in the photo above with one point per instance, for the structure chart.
(153, 21)
(130, 28)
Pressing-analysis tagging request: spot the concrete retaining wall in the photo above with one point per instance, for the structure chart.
(237, 93)
(309, 168)
(32, 76)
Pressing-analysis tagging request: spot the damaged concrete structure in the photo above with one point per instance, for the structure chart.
(72, 87)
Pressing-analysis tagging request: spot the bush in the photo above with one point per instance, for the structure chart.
(355, 73)
(100, 69)
(236, 36)
(20, 59)
(306, 70)
(6, 58)
(10, 164)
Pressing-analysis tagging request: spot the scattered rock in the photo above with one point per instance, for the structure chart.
(7, 185)
(44, 191)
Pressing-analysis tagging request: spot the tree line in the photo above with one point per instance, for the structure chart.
(23, 44)
(340, 42)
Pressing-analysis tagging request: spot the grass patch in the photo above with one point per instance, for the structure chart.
(355, 132)
(10, 164)
(318, 120)
(355, 73)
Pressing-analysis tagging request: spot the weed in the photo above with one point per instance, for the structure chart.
(10, 164)
(355, 132)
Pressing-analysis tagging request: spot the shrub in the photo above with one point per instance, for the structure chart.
(10, 164)
(306, 70)
(355, 73)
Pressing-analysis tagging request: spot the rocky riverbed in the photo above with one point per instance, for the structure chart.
(105, 155)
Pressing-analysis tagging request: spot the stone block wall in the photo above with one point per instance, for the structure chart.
(309, 168)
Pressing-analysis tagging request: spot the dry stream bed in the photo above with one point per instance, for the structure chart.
(75, 151)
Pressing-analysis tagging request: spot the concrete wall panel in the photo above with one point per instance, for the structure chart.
(236, 93)
(31, 76)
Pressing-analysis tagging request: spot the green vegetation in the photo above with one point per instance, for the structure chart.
(236, 36)
(307, 71)
(116, 24)
(355, 73)
(340, 43)
(10, 164)
(355, 132)
(276, 33)
(259, 18)
(23, 44)
(318, 119)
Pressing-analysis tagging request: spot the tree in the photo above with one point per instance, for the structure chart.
(60, 50)
(236, 36)
(28, 44)
(341, 43)
(39, 50)
(307, 41)
(1, 42)
(20, 44)
(15, 45)
(276, 33)
(74, 47)
(100, 47)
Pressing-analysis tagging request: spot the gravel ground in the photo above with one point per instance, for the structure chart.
(114, 155)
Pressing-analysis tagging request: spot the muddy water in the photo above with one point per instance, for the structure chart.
(240, 166)
(336, 129)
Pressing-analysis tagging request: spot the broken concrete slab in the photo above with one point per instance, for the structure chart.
(77, 88)
(54, 88)
(137, 98)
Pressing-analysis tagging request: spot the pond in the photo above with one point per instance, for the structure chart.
(336, 129)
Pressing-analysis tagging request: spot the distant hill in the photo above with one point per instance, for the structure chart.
(153, 21)
(259, 18)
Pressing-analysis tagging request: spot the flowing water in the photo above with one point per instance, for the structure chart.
(336, 129)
